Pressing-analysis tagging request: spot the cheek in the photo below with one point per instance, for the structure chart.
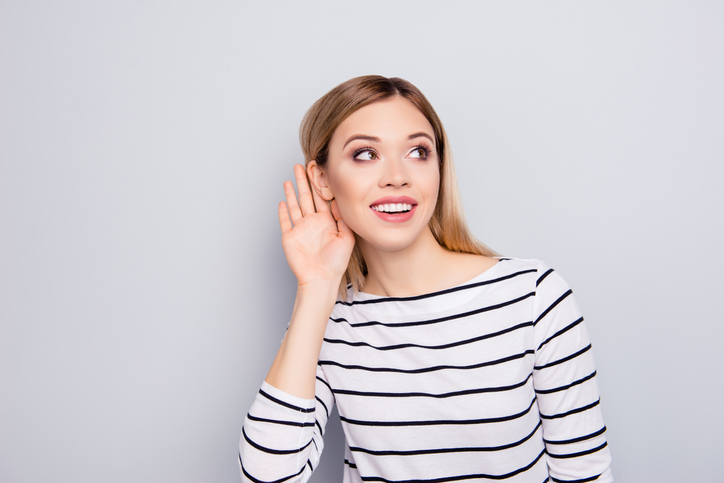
(348, 188)
(429, 183)
(350, 208)
(347, 199)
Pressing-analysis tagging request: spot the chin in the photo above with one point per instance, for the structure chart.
(388, 244)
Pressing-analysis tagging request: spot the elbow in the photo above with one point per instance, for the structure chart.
(259, 467)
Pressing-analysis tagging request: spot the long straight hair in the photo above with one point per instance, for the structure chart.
(447, 224)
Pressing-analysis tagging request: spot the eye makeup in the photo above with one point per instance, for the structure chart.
(371, 153)
(424, 151)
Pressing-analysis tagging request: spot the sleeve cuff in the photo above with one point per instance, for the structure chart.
(306, 404)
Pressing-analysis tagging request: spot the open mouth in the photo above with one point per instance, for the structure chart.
(393, 208)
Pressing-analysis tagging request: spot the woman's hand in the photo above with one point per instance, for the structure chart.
(317, 243)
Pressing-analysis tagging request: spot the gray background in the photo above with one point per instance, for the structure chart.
(143, 145)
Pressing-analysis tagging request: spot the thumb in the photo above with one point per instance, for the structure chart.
(342, 227)
(345, 231)
(335, 210)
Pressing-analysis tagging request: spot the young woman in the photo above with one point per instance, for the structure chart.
(445, 363)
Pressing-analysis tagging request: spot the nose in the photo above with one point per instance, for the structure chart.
(394, 174)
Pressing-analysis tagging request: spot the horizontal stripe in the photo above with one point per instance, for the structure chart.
(446, 450)
(326, 411)
(427, 369)
(461, 315)
(572, 411)
(561, 332)
(568, 386)
(440, 422)
(285, 404)
(436, 347)
(271, 450)
(582, 480)
(543, 277)
(255, 480)
(398, 368)
(435, 294)
(553, 305)
(460, 477)
(466, 392)
(278, 421)
(581, 453)
(577, 440)
(565, 359)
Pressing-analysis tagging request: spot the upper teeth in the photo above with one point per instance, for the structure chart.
(392, 207)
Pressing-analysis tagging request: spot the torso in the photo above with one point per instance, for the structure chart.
(417, 378)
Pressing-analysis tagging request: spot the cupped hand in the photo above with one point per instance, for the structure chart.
(317, 242)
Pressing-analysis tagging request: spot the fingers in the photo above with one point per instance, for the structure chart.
(284, 223)
(335, 211)
(306, 202)
(295, 213)
(296, 209)
(342, 227)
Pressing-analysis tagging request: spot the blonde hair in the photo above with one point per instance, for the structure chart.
(447, 224)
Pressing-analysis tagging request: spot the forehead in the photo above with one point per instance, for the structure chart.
(385, 119)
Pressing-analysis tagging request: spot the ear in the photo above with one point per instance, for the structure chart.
(318, 179)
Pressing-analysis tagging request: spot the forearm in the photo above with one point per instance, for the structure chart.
(282, 435)
(564, 378)
(294, 368)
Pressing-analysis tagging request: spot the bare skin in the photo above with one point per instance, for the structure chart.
(431, 269)
(403, 258)
(317, 244)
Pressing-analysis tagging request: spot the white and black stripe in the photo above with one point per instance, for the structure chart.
(490, 380)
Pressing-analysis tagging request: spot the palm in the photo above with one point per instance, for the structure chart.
(317, 243)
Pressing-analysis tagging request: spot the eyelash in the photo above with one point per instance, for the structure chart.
(361, 150)
(426, 149)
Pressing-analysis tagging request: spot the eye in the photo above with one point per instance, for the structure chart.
(365, 154)
(419, 152)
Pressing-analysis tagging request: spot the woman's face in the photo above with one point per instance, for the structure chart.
(383, 170)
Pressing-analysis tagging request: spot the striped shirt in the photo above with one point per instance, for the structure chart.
(493, 379)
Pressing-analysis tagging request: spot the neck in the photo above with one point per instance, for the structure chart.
(414, 270)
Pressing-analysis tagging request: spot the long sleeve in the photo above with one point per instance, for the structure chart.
(281, 439)
(564, 378)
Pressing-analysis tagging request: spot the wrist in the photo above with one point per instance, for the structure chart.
(316, 299)
(319, 288)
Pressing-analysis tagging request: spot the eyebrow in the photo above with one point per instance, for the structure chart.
(361, 136)
(421, 134)
(377, 140)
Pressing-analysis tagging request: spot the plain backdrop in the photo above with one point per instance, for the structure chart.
(143, 146)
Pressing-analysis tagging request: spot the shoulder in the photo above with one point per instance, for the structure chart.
(545, 277)
(554, 304)
(544, 284)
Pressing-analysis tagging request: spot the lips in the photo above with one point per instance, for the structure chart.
(395, 209)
